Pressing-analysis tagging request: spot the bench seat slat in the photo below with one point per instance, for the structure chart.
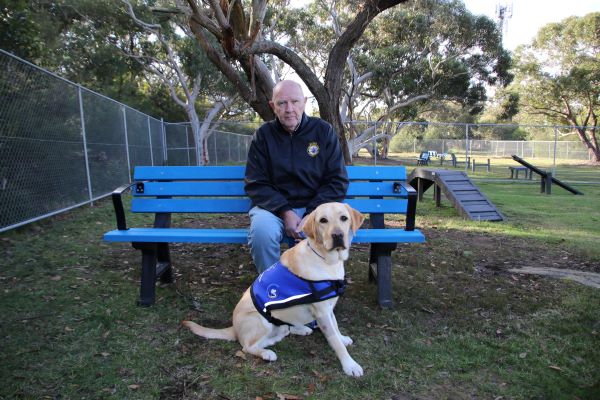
(242, 205)
(187, 235)
(236, 188)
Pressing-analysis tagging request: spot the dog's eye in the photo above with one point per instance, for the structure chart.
(323, 220)
(344, 218)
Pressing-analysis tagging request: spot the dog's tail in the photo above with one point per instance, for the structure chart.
(210, 333)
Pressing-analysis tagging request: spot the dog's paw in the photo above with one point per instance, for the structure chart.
(352, 368)
(268, 355)
(301, 330)
(347, 340)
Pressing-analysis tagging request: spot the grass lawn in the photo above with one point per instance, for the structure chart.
(463, 327)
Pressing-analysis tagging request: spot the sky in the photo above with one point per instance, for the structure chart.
(528, 16)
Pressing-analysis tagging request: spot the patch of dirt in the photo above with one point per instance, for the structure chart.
(509, 255)
(585, 278)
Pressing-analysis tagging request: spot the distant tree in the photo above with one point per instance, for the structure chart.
(557, 77)
(177, 64)
(428, 53)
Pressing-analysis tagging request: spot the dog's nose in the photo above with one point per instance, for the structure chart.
(338, 240)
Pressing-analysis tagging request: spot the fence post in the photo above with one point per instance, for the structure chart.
(126, 143)
(374, 152)
(187, 145)
(85, 148)
(555, 144)
(548, 182)
(163, 134)
(466, 147)
(150, 141)
(214, 135)
(229, 147)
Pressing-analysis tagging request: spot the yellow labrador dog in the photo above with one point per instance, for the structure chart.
(307, 288)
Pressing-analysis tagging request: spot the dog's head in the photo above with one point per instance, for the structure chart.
(331, 227)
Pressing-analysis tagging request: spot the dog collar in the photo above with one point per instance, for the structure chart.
(314, 251)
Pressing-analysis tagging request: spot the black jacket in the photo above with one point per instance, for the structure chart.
(303, 169)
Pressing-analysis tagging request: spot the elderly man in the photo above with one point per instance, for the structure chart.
(294, 164)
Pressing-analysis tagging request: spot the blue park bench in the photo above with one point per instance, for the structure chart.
(217, 190)
(424, 158)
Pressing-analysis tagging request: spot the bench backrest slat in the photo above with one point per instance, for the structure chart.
(242, 205)
(372, 173)
(189, 173)
(236, 188)
(237, 172)
(197, 205)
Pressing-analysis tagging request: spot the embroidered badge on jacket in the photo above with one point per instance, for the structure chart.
(313, 149)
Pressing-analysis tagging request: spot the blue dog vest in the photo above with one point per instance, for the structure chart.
(278, 288)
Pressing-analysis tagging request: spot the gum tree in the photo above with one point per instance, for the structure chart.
(557, 77)
(232, 33)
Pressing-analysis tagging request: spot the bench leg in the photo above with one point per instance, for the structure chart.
(148, 279)
(384, 280)
(163, 268)
(380, 271)
(156, 263)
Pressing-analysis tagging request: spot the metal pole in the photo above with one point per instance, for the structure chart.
(555, 144)
(216, 157)
(164, 142)
(150, 141)
(126, 143)
(229, 147)
(466, 147)
(374, 152)
(187, 146)
(85, 148)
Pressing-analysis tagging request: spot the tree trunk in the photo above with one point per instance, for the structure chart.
(199, 142)
(244, 50)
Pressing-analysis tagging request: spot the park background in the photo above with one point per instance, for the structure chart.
(86, 97)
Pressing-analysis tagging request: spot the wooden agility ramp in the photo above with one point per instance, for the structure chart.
(464, 195)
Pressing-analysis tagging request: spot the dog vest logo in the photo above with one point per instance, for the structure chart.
(272, 291)
(313, 149)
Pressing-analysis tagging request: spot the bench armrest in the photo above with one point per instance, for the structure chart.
(118, 204)
(411, 210)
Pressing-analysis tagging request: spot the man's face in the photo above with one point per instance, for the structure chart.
(288, 104)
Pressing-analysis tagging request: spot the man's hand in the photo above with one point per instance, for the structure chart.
(291, 221)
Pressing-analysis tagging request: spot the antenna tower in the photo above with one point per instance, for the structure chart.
(503, 13)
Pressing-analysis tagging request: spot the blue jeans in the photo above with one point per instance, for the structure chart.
(265, 236)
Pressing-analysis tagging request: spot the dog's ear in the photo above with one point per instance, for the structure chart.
(357, 218)
(308, 225)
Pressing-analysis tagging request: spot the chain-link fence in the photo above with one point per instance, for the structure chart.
(468, 140)
(62, 145)
(223, 146)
